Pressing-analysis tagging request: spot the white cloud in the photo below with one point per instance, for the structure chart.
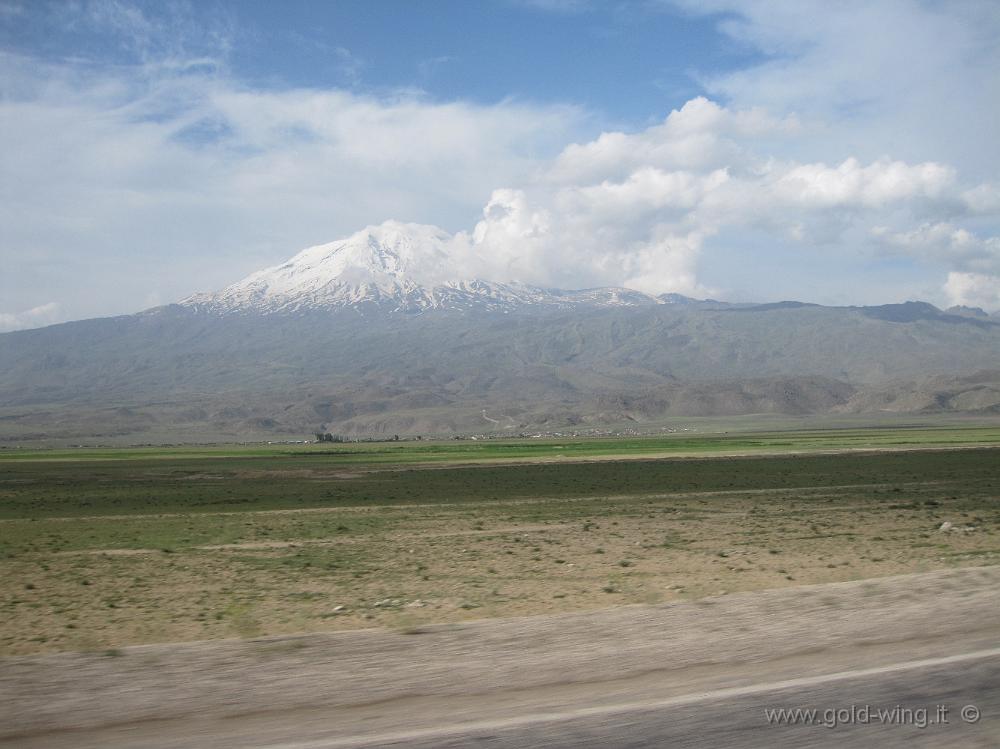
(974, 290)
(166, 176)
(850, 184)
(944, 242)
(983, 199)
(647, 190)
(566, 246)
(860, 115)
(699, 135)
(666, 262)
(36, 317)
(920, 80)
(164, 180)
(623, 209)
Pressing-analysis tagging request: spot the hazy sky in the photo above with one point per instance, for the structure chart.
(840, 152)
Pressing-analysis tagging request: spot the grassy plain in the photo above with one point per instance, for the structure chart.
(684, 443)
(105, 548)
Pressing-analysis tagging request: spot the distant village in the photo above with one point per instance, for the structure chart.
(575, 433)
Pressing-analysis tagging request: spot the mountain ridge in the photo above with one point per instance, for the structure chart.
(398, 267)
(362, 336)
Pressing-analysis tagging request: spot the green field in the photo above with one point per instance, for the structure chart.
(186, 485)
(526, 449)
(102, 548)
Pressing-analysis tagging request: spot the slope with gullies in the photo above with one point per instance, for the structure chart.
(369, 335)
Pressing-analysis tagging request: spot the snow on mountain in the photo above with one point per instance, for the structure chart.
(395, 267)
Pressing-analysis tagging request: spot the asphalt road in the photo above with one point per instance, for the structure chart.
(919, 648)
(952, 702)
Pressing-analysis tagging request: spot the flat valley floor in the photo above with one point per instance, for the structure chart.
(100, 550)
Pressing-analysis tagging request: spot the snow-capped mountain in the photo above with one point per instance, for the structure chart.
(324, 342)
(395, 267)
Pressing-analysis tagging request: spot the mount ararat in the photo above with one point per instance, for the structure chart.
(396, 268)
(383, 333)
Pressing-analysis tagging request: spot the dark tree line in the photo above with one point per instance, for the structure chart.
(327, 437)
(330, 437)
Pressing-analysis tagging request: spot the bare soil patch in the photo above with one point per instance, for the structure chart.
(405, 567)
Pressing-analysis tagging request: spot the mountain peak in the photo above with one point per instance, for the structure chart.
(395, 266)
(387, 260)
(393, 248)
(392, 253)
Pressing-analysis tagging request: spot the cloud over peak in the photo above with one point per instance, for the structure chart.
(43, 314)
(640, 209)
(850, 157)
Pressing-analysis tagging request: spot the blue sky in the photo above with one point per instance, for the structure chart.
(608, 59)
(629, 61)
(841, 153)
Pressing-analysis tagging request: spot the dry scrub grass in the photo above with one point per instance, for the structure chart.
(402, 567)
